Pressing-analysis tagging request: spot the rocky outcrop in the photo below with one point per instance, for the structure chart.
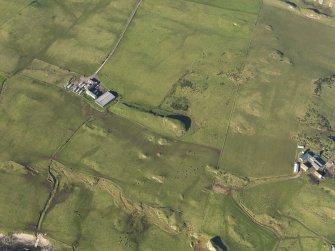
(22, 241)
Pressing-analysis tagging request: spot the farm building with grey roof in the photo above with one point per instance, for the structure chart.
(105, 99)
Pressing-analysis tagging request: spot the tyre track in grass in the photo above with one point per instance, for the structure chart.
(265, 227)
(318, 235)
(279, 237)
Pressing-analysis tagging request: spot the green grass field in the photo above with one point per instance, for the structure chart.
(36, 119)
(23, 196)
(225, 219)
(245, 72)
(265, 119)
(156, 164)
(295, 201)
(90, 38)
(60, 33)
(201, 50)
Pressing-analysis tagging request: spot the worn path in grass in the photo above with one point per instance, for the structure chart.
(130, 19)
(279, 237)
(320, 236)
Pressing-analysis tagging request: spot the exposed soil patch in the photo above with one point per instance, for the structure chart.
(22, 241)
(218, 188)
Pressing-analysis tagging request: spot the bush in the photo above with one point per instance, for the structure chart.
(180, 103)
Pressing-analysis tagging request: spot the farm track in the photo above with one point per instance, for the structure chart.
(246, 213)
(279, 237)
(130, 19)
(306, 227)
(267, 180)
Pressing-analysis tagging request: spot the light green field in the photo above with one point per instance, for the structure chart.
(27, 34)
(63, 33)
(36, 119)
(156, 122)
(156, 165)
(295, 201)
(225, 219)
(81, 215)
(303, 244)
(47, 73)
(91, 37)
(243, 71)
(265, 119)
(164, 46)
(22, 196)
(9, 9)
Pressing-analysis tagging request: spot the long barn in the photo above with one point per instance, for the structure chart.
(105, 99)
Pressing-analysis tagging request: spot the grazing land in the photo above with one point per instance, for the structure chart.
(197, 150)
(170, 61)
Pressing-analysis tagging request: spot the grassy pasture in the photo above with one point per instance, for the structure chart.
(86, 217)
(265, 118)
(48, 73)
(295, 200)
(22, 197)
(281, 196)
(238, 232)
(246, 6)
(116, 149)
(35, 119)
(166, 242)
(84, 214)
(63, 33)
(9, 9)
(209, 102)
(184, 57)
(301, 244)
(164, 46)
(89, 40)
(141, 117)
(27, 35)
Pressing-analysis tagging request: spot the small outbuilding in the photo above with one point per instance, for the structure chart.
(318, 175)
(304, 156)
(316, 165)
(305, 166)
(296, 167)
(105, 99)
(91, 94)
